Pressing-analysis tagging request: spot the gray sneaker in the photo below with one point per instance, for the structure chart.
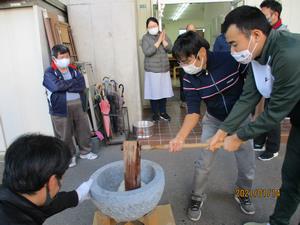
(246, 205)
(194, 210)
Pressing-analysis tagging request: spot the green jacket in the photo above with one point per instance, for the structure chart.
(284, 49)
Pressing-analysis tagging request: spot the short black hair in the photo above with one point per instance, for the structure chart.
(31, 160)
(151, 19)
(247, 18)
(273, 5)
(188, 44)
(59, 49)
(223, 28)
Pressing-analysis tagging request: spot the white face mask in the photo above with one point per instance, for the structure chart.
(269, 18)
(192, 69)
(244, 56)
(270, 21)
(153, 31)
(62, 63)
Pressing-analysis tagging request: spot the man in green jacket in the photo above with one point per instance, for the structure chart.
(274, 74)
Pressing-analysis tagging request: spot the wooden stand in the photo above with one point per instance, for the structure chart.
(161, 215)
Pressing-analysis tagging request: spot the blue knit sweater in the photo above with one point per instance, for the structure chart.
(219, 86)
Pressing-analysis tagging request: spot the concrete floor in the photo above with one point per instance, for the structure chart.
(220, 207)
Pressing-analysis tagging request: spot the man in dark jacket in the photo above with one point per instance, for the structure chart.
(65, 91)
(216, 79)
(33, 170)
(274, 74)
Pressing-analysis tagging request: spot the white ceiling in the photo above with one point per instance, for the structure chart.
(195, 10)
(191, 1)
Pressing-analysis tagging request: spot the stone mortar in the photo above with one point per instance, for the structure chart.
(129, 205)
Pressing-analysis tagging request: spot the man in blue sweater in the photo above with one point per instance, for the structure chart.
(221, 44)
(65, 91)
(217, 79)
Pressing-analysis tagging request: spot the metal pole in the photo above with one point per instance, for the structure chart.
(159, 4)
(3, 134)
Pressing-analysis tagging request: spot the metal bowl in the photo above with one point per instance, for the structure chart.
(143, 129)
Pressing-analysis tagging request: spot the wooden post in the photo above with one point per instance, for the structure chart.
(132, 160)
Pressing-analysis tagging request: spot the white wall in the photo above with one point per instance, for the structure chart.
(214, 14)
(144, 11)
(253, 2)
(290, 14)
(105, 34)
(23, 106)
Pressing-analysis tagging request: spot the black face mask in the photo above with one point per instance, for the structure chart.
(49, 200)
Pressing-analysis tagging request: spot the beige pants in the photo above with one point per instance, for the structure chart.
(75, 124)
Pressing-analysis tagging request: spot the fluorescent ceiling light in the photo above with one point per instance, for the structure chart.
(180, 9)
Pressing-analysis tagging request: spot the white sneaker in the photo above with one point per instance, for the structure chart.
(73, 162)
(89, 156)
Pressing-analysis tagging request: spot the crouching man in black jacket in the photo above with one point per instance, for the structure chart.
(34, 167)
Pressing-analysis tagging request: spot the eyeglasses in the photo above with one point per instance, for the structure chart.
(187, 61)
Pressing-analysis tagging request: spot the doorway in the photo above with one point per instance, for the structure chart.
(207, 17)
